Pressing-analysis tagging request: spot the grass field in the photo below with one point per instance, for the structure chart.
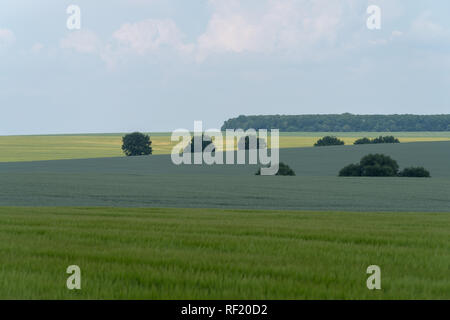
(155, 182)
(218, 254)
(104, 214)
(54, 147)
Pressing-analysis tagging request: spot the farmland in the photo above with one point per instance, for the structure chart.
(155, 182)
(57, 147)
(143, 228)
(221, 254)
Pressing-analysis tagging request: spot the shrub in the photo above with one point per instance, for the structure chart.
(136, 144)
(352, 170)
(244, 143)
(363, 141)
(329, 141)
(419, 172)
(380, 139)
(283, 170)
(387, 139)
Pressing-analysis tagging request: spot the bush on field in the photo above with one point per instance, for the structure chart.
(352, 170)
(386, 139)
(244, 143)
(380, 139)
(380, 165)
(136, 144)
(329, 141)
(372, 165)
(419, 172)
(284, 170)
(363, 141)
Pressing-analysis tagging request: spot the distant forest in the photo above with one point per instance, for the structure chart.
(342, 122)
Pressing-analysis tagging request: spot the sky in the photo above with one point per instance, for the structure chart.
(158, 65)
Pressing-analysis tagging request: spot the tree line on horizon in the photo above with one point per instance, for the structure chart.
(345, 122)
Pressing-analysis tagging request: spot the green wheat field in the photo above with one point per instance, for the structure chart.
(222, 254)
(144, 228)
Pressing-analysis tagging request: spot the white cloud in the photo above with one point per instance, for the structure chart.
(424, 27)
(396, 34)
(139, 38)
(297, 29)
(150, 35)
(6, 37)
(82, 41)
(282, 25)
(37, 47)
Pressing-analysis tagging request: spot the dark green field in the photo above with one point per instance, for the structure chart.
(155, 182)
(221, 254)
(223, 251)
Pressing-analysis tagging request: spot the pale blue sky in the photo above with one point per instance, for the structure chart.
(158, 65)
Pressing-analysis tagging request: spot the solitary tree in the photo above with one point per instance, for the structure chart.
(136, 144)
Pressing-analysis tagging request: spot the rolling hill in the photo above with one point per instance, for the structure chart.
(155, 182)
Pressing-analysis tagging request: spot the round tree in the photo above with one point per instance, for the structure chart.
(378, 165)
(372, 165)
(136, 144)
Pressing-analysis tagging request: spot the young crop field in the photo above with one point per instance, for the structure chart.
(56, 147)
(153, 181)
(222, 234)
(221, 254)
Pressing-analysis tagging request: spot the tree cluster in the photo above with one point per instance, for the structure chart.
(380, 139)
(346, 122)
(380, 165)
(329, 141)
